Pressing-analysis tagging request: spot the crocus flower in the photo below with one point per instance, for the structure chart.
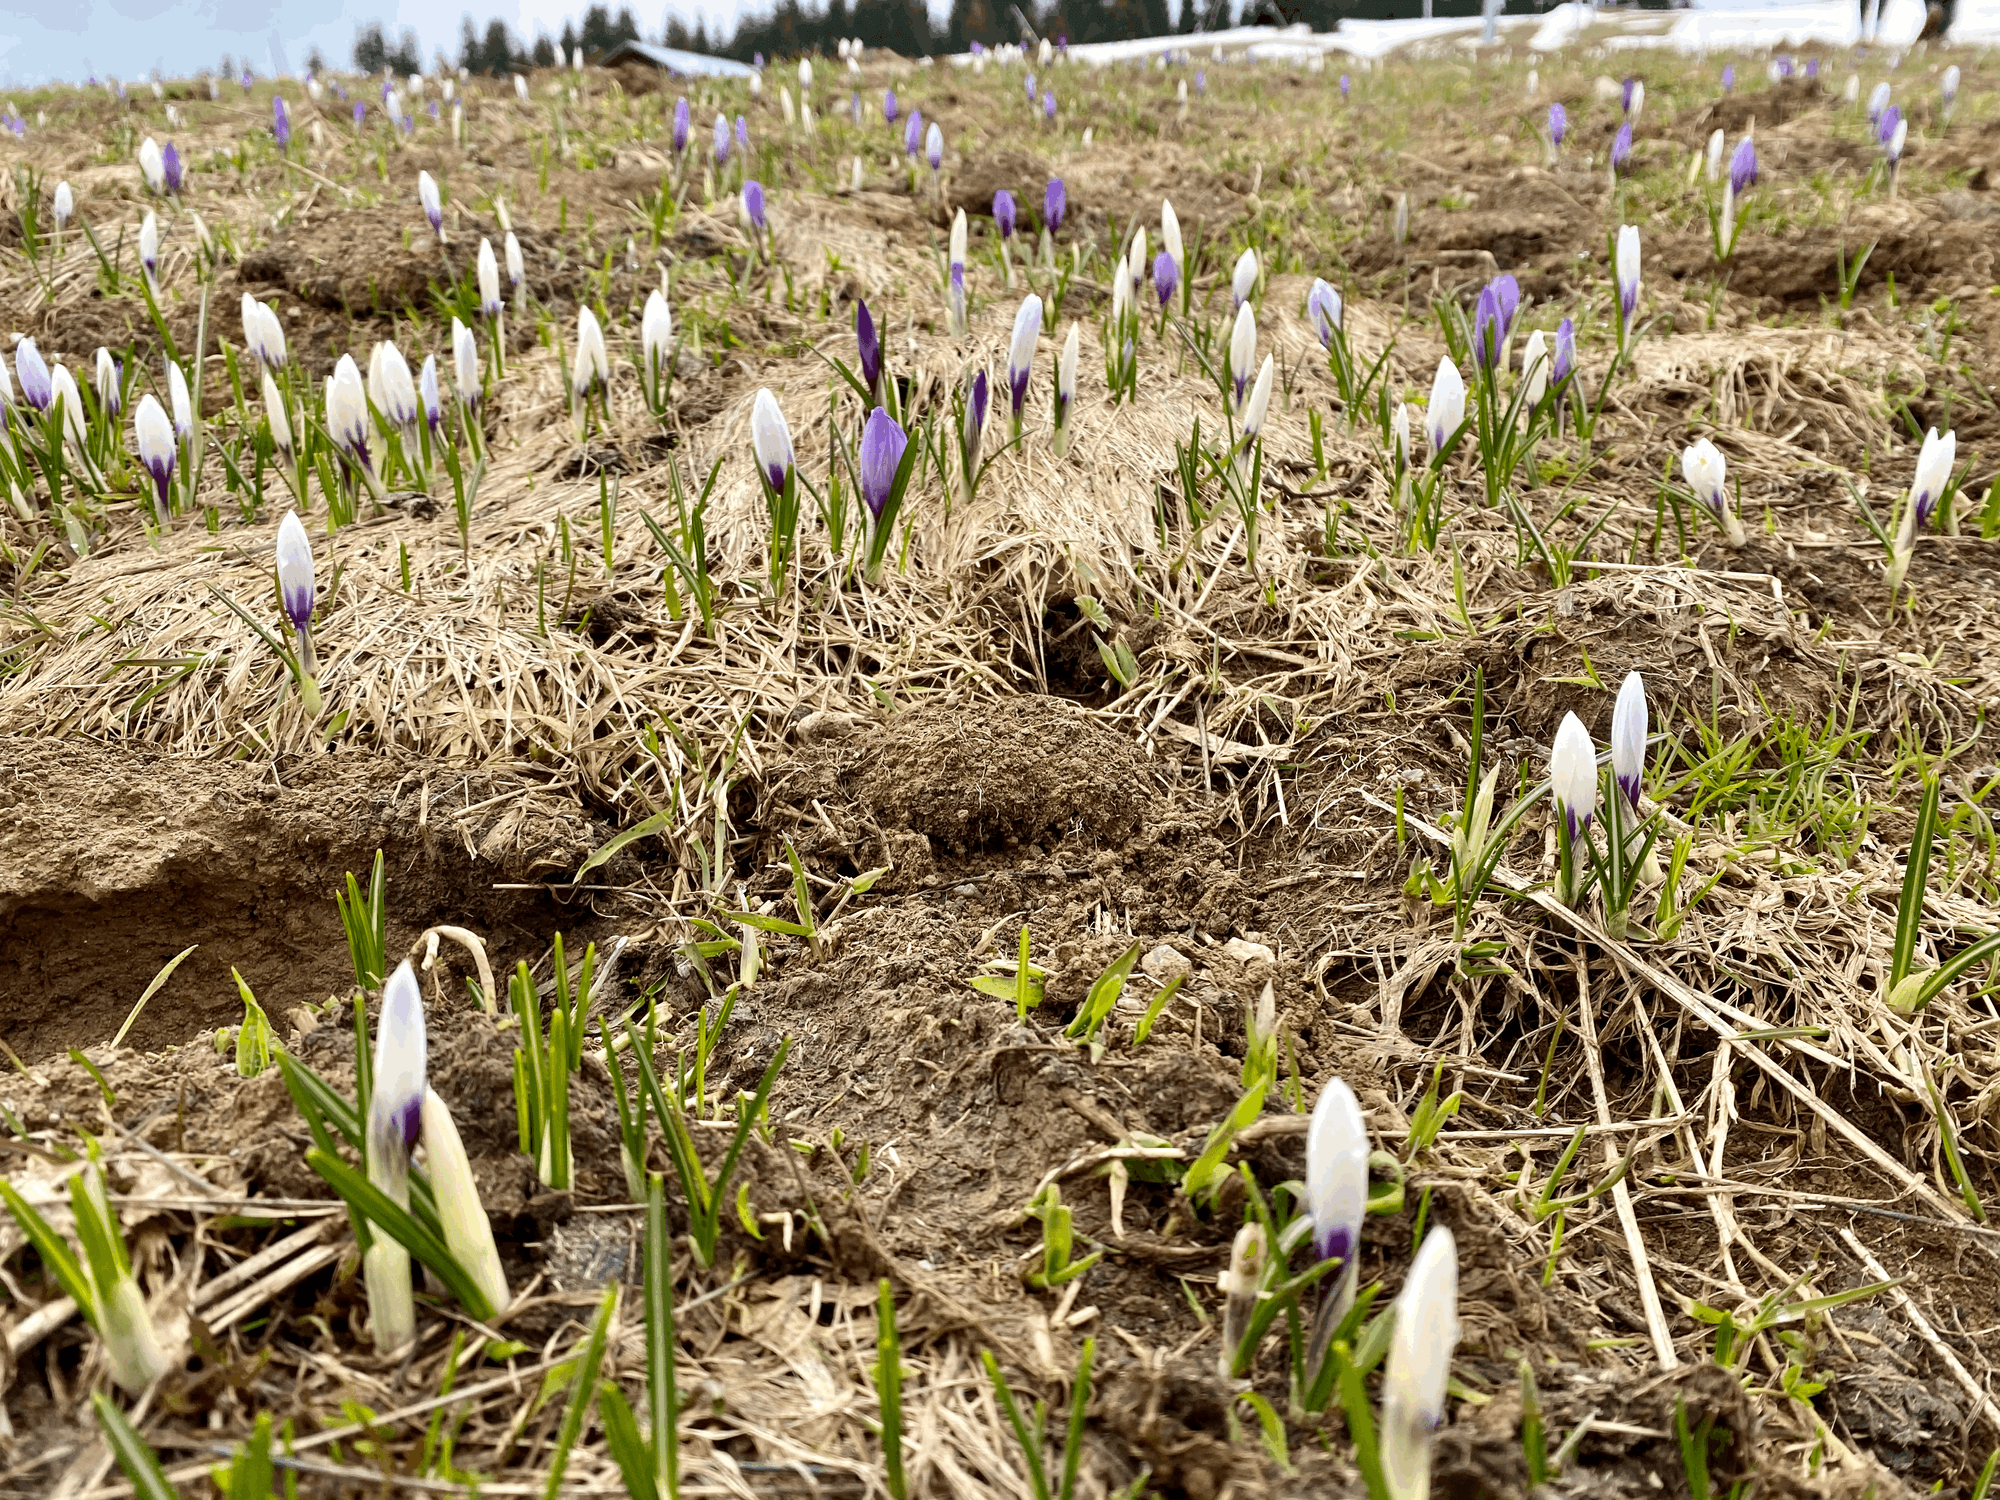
(347, 420)
(1241, 1285)
(743, 136)
(62, 384)
(681, 123)
(1170, 236)
(1028, 84)
(934, 146)
(753, 203)
(158, 451)
(771, 441)
(171, 170)
(1628, 737)
(516, 272)
(65, 204)
(1934, 465)
(177, 397)
(1573, 773)
(1048, 105)
(468, 1233)
(361, 113)
(888, 106)
(1255, 405)
(1242, 350)
(1004, 214)
(1878, 101)
(281, 123)
(883, 442)
(1892, 146)
(1021, 353)
(1626, 94)
(395, 1120)
(1399, 434)
(427, 195)
(1714, 159)
(1446, 412)
(1065, 390)
(429, 395)
(1621, 148)
(1166, 275)
(1728, 77)
(1535, 367)
(1635, 99)
(593, 366)
(149, 246)
(1627, 270)
(110, 384)
(1055, 202)
(276, 417)
(1743, 166)
(656, 338)
(1346, 85)
(1323, 311)
(721, 134)
(975, 414)
(489, 280)
(1558, 123)
(1948, 87)
(1418, 1370)
(1243, 280)
(1507, 296)
(868, 349)
(465, 364)
(1486, 330)
(151, 166)
(37, 389)
(913, 132)
(263, 333)
(1336, 1172)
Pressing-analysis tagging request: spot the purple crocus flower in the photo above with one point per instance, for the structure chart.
(913, 133)
(1562, 364)
(1048, 106)
(1784, 65)
(681, 124)
(1728, 77)
(1487, 334)
(870, 348)
(281, 123)
(1627, 95)
(1003, 213)
(37, 384)
(171, 168)
(1055, 202)
(1558, 123)
(1812, 67)
(888, 106)
(433, 111)
(1621, 148)
(1743, 167)
(1346, 85)
(360, 113)
(1201, 80)
(1507, 293)
(1885, 131)
(721, 142)
(1166, 276)
(883, 442)
(742, 134)
(757, 61)
(975, 411)
(753, 203)
(1029, 84)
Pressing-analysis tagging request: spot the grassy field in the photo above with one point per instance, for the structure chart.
(961, 913)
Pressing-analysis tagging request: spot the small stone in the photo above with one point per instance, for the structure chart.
(1165, 964)
(1247, 952)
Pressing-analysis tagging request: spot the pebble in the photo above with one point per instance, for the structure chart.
(1165, 964)
(1245, 952)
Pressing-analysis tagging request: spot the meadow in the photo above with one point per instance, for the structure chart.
(1002, 778)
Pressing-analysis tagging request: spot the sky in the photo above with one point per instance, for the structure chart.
(53, 40)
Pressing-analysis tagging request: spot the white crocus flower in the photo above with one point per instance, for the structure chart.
(656, 340)
(1446, 411)
(1065, 390)
(1418, 1370)
(1706, 473)
(152, 165)
(1535, 367)
(275, 414)
(1573, 773)
(593, 366)
(1243, 280)
(1242, 351)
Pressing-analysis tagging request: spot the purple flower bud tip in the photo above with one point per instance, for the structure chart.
(1166, 276)
(1055, 202)
(883, 442)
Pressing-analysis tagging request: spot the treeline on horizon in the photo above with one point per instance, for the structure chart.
(901, 26)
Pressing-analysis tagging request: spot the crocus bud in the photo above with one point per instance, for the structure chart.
(520, 88)
(394, 392)
(62, 384)
(1728, 77)
(1563, 363)
(681, 122)
(1003, 213)
(65, 204)
(656, 338)
(934, 146)
(743, 135)
(1242, 350)
(1535, 367)
(171, 169)
(177, 397)
(281, 123)
(771, 441)
(1256, 404)
(1486, 332)
(1446, 412)
(395, 1120)
(1021, 353)
(721, 137)
(1628, 737)
(516, 271)
(153, 169)
(1878, 101)
(428, 394)
(427, 195)
(883, 442)
(468, 1234)
(489, 280)
(1055, 202)
(37, 387)
(149, 245)
(1166, 276)
(1628, 271)
(753, 204)
(1243, 280)
(593, 367)
(1065, 390)
(1418, 1370)
(1558, 124)
(1635, 98)
(295, 572)
(1948, 88)
(465, 364)
(347, 420)
(154, 436)
(1621, 148)
(1170, 236)
(263, 334)
(1323, 312)
(888, 106)
(1934, 466)
(1399, 433)
(913, 132)
(110, 385)
(276, 417)
(1705, 471)
(1240, 1285)
(1899, 132)
(1573, 773)
(1743, 166)
(868, 348)
(1336, 1172)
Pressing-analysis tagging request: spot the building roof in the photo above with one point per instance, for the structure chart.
(687, 64)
